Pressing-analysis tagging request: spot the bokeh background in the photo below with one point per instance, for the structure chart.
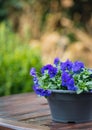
(34, 32)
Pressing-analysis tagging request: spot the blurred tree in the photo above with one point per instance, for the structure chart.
(6, 7)
(43, 14)
(81, 13)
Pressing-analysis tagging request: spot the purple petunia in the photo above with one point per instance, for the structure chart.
(56, 61)
(52, 71)
(77, 66)
(67, 65)
(33, 72)
(41, 92)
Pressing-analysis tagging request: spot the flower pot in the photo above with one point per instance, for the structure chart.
(67, 106)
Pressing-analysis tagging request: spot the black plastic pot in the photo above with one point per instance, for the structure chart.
(67, 106)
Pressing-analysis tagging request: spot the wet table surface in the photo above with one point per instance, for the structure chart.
(30, 112)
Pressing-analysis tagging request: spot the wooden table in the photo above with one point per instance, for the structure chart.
(30, 112)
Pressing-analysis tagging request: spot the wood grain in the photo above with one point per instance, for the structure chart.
(30, 112)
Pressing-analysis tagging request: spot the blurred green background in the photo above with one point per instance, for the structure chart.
(34, 32)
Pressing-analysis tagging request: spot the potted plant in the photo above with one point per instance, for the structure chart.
(68, 89)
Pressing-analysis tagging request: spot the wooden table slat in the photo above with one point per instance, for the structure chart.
(30, 112)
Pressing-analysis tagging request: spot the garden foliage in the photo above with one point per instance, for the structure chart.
(16, 58)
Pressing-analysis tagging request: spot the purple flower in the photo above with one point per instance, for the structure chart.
(35, 79)
(56, 61)
(67, 65)
(66, 75)
(46, 67)
(71, 85)
(68, 81)
(77, 66)
(41, 92)
(33, 72)
(65, 78)
(52, 71)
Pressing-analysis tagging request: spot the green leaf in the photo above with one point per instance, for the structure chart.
(89, 84)
(85, 76)
(79, 91)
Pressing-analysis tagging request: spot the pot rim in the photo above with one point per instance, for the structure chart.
(63, 91)
(68, 91)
